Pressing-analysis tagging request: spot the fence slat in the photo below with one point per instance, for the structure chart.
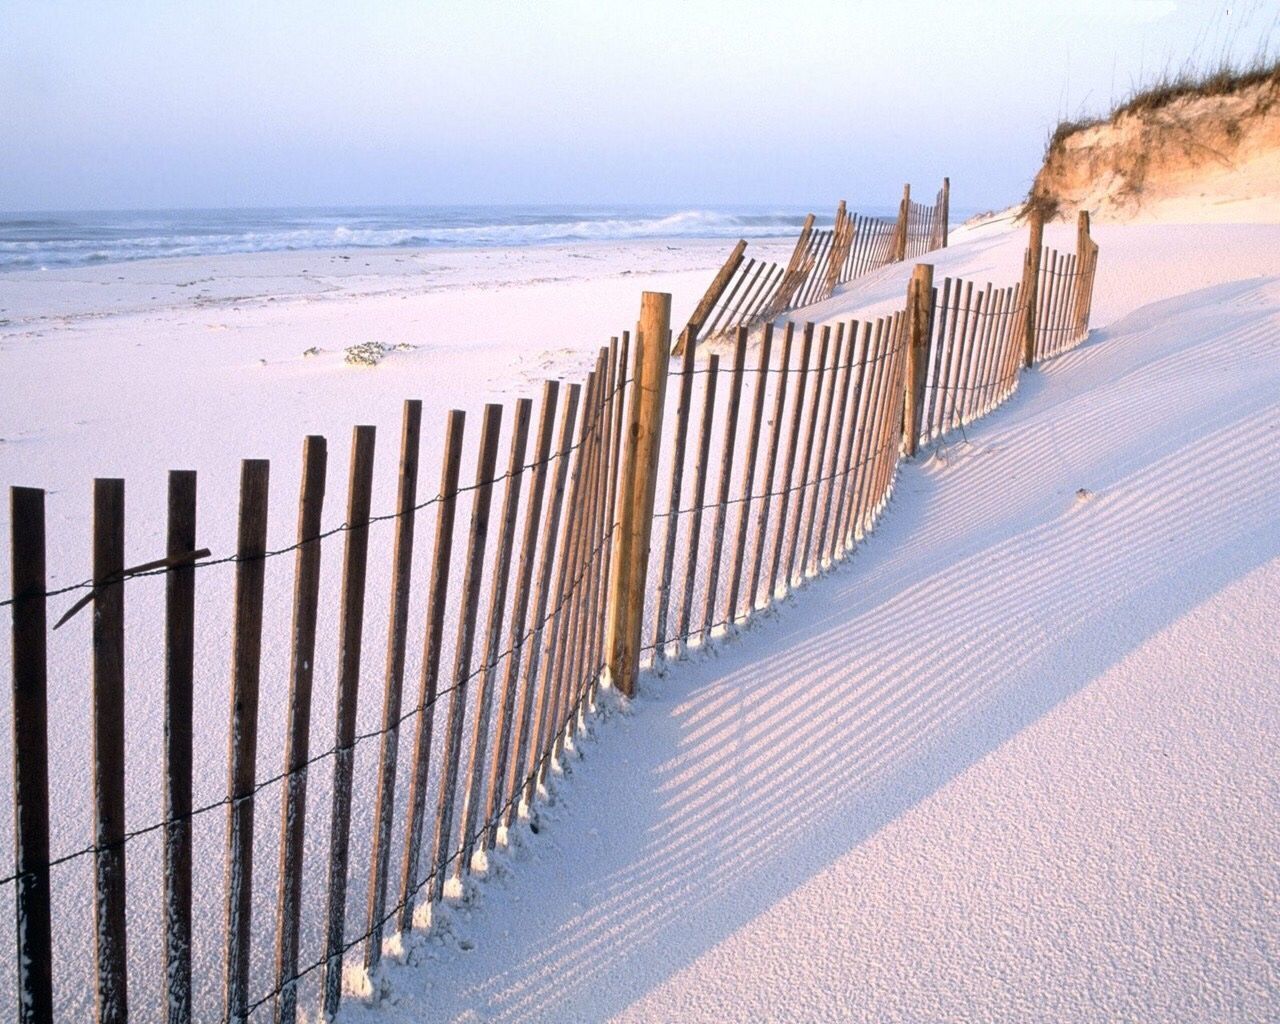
(34, 953)
(771, 462)
(726, 480)
(834, 482)
(887, 428)
(699, 492)
(821, 454)
(788, 473)
(355, 558)
(749, 474)
(251, 546)
(572, 679)
(839, 532)
(602, 532)
(530, 677)
(678, 444)
(866, 419)
(393, 682)
(179, 661)
(807, 473)
(519, 632)
(108, 751)
(500, 580)
(555, 651)
(937, 332)
(429, 679)
(482, 496)
(712, 294)
(293, 806)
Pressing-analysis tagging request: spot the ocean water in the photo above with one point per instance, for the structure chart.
(48, 240)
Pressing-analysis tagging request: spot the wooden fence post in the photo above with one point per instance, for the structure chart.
(640, 472)
(919, 308)
(1030, 285)
(945, 212)
(900, 232)
(33, 958)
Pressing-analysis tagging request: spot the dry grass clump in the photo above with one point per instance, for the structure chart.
(1190, 83)
(1261, 77)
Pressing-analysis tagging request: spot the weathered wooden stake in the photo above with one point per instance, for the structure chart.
(521, 631)
(108, 750)
(293, 808)
(919, 309)
(640, 474)
(945, 211)
(726, 480)
(1030, 284)
(526, 726)
(473, 572)
(34, 954)
(393, 682)
(251, 545)
(699, 492)
(402, 560)
(749, 476)
(665, 580)
(771, 463)
(179, 661)
(900, 232)
(355, 560)
(788, 472)
(689, 336)
(428, 686)
(500, 578)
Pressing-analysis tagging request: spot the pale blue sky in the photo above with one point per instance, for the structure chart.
(148, 104)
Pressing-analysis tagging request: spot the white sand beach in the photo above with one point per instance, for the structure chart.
(130, 369)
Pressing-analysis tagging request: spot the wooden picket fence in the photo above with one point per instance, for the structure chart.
(747, 292)
(585, 558)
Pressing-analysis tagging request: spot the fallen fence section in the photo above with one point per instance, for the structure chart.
(747, 292)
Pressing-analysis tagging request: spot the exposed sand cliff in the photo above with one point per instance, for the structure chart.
(1192, 158)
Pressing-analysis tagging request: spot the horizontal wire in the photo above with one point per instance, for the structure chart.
(332, 752)
(89, 584)
(490, 822)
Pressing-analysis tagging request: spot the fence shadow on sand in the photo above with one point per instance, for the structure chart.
(967, 618)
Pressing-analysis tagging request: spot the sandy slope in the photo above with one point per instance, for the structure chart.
(923, 696)
(1016, 761)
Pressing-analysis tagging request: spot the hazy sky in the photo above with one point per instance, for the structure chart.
(145, 104)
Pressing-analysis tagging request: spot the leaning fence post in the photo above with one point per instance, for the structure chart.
(34, 955)
(900, 232)
(639, 479)
(1030, 285)
(919, 308)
